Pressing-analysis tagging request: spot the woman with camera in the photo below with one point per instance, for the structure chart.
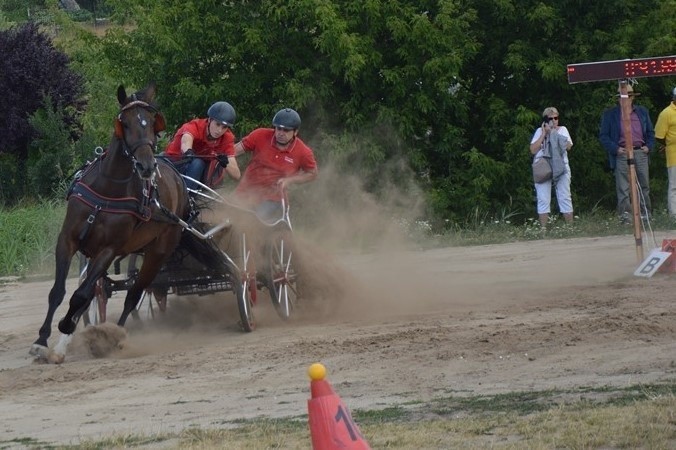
(551, 142)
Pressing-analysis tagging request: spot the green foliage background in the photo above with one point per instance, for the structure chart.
(454, 88)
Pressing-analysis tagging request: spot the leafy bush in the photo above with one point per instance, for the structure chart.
(21, 10)
(50, 158)
(33, 72)
(81, 15)
(11, 182)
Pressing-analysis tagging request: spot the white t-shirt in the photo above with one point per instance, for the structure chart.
(562, 130)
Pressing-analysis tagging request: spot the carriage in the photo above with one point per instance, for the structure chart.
(129, 203)
(236, 243)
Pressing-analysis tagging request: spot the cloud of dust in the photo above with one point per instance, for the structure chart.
(337, 212)
(345, 211)
(99, 341)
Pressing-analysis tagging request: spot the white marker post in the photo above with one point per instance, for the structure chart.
(652, 263)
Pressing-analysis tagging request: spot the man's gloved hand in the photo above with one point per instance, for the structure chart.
(189, 154)
(222, 160)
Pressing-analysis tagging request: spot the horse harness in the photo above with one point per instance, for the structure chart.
(139, 208)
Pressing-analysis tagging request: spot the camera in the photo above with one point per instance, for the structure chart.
(546, 120)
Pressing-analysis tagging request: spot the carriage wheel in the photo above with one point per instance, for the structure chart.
(242, 287)
(146, 309)
(101, 299)
(282, 275)
(96, 312)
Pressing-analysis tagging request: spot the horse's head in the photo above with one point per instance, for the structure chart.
(137, 126)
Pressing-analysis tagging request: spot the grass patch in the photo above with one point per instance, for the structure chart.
(28, 236)
(520, 403)
(484, 230)
(641, 416)
(23, 443)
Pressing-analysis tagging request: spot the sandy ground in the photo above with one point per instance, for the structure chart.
(411, 325)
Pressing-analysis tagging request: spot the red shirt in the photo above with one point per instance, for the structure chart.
(270, 163)
(197, 128)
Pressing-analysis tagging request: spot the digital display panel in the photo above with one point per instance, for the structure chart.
(621, 69)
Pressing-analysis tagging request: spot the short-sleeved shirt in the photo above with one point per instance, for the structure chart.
(197, 128)
(562, 130)
(665, 128)
(269, 164)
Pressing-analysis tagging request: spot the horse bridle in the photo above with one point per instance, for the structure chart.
(130, 150)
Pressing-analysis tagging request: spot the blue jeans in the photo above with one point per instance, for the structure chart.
(269, 211)
(194, 169)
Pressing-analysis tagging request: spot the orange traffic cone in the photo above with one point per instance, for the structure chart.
(331, 425)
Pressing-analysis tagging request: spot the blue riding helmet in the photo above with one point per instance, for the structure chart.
(286, 118)
(223, 113)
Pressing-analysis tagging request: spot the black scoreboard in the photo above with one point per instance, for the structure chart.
(622, 69)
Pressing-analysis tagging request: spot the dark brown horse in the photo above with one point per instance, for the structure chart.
(126, 201)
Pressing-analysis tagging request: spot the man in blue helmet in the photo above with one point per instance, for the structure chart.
(200, 141)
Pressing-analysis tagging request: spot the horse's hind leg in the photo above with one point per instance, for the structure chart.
(152, 261)
(64, 254)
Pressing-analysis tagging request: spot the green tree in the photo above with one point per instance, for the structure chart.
(454, 87)
(521, 69)
(19, 11)
(384, 68)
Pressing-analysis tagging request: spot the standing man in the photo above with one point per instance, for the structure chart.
(611, 135)
(279, 159)
(665, 134)
(199, 141)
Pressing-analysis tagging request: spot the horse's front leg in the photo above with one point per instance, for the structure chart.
(79, 301)
(64, 255)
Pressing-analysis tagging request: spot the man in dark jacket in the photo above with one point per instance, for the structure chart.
(612, 138)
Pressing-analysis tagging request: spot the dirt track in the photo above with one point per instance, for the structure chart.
(414, 325)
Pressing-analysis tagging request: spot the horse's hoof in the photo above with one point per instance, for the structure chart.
(39, 351)
(55, 358)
